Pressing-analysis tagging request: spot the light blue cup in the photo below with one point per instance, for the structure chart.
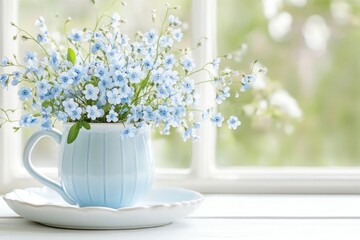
(100, 168)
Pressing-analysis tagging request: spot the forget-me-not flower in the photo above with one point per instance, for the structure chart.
(233, 122)
(24, 93)
(169, 61)
(75, 114)
(247, 81)
(217, 119)
(91, 92)
(75, 35)
(216, 63)
(112, 116)
(3, 80)
(128, 132)
(70, 105)
(188, 85)
(177, 34)
(166, 41)
(151, 37)
(93, 112)
(65, 80)
(4, 61)
(188, 63)
(28, 120)
(46, 124)
(43, 86)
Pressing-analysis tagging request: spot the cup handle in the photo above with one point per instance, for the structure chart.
(56, 135)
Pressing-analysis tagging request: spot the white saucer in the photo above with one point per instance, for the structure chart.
(162, 206)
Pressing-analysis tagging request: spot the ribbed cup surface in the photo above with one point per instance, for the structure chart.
(103, 169)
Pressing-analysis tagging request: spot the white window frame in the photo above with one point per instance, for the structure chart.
(203, 174)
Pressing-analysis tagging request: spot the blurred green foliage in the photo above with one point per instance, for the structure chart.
(326, 86)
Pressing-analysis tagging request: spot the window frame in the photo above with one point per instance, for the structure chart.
(203, 174)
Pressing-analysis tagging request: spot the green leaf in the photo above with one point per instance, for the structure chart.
(46, 103)
(74, 132)
(86, 125)
(71, 56)
(93, 2)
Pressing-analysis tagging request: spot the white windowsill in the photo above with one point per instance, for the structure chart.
(267, 217)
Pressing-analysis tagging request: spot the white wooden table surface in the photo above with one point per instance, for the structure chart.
(241, 217)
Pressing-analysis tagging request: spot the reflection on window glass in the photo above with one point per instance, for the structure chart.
(169, 151)
(309, 48)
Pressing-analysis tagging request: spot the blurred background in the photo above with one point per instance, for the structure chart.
(304, 113)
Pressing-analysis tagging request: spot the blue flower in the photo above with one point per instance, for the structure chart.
(169, 61)
(41, 38)
(70, 105)
(115, 19)
(75, 35)
(93, 112)
(217, 119)
(174, 21)
(166, 41)
(112, 116)
(91, 92)
(16, 74)
(119, 79)
(24, 93)
(65, 80)
(5, 61)
(247, 81)
(135, 75)
(216, 63)
(113, 96)
(61, 116)
(54, 60)
(75, 114)
(28, 120)
(163, 112)
(30, 56)
(223, 95)
(162, 92)
(40, 22)
(43, 86)
(3, 80)
(105, 83)
(157, 76)
(188, 85)
(96, 47)
(46, 112)
(177, 34)
(136, 113)
(15, 82)
(126, 92)
(233, 122)
(188, 63)
(149, 114)
(189, 132)
(148, 63)
(46, 124)
(128, 132)
(151, 37)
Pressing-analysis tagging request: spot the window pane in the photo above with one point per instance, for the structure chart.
(308, 47)
(169, 151)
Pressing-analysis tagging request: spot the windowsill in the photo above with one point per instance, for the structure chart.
(227, 217)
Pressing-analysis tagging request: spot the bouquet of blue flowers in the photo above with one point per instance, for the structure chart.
(104, 76)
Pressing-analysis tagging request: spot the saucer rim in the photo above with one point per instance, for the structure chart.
(10, 198)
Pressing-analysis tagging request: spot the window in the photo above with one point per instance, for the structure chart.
(321, 156)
